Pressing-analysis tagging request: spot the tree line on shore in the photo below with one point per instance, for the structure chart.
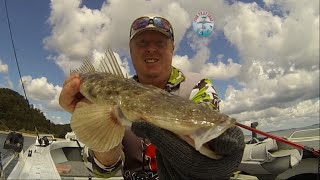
(17, 115)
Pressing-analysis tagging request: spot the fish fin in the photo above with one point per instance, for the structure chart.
(85, 67)
(121, 117)
(96, 126)
(109, 64)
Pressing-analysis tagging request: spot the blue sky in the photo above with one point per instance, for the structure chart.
(263, 56)
(29, 27)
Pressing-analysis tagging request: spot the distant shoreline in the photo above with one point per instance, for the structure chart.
(24, 134)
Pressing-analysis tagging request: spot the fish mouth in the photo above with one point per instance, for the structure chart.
(151, 60)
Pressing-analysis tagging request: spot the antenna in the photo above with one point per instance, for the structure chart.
(4, 124)
(15, 54)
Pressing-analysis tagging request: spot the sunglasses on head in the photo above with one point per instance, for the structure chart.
(158, 22)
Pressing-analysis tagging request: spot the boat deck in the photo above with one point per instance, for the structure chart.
(39, 166)
(59, 160)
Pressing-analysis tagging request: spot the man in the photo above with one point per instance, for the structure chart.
(149, 152)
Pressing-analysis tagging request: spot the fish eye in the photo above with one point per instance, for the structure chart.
(92, 92)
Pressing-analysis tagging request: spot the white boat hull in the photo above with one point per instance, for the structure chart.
(59, 160)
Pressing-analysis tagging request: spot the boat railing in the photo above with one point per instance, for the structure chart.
(305, 133)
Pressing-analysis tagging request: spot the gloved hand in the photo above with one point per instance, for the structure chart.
(176, 159)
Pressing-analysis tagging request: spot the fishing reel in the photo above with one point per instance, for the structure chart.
(254, 137)
(43, 141)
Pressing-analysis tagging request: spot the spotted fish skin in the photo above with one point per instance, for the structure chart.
(149, 103)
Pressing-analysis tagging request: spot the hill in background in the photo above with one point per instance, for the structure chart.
(17, 115)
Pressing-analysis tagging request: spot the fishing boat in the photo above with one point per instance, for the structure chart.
(267, 158)
(50, 158)
(308, 167)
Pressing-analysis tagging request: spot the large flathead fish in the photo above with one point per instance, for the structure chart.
(114, 101)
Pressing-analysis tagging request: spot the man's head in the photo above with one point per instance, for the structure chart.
(151, 47)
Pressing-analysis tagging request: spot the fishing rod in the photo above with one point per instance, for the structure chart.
(15, 54)
(306, 148)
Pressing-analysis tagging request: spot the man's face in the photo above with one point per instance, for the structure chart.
(151, 54)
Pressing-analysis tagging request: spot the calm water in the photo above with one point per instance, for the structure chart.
(5, 153)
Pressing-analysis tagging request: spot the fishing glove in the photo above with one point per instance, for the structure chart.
(176, 159)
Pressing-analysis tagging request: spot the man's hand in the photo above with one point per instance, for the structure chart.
(176, 159)
(70, 94)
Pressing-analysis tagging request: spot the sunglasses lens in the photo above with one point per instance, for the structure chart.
(140, 23)
(157, 22)
(161, 23)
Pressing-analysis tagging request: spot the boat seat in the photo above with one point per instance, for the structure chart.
(266, 157)
(14, 141)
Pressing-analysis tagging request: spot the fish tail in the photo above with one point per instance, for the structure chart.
(96, 126)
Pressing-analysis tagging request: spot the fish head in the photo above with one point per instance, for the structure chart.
(98, 87)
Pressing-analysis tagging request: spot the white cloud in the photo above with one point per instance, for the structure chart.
(280, 61)
(200, 61)
(220, 70)
(181, 62)
(278, 46)
(6, 82)
(259, 34)
(41, 90)
(265, 93)
(299, 114)
(3, 67)
(77, 31)
(202, 53)
(217, 71)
